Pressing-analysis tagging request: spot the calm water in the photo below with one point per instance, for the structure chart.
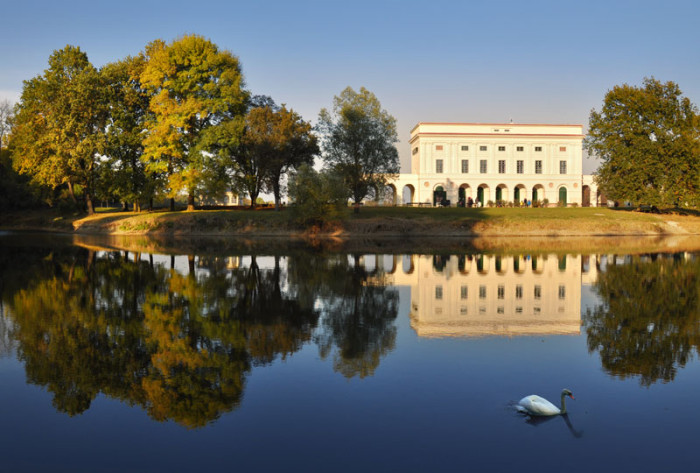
(308, 361)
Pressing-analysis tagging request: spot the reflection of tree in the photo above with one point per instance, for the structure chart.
(178, 345)
(358, 315)
(649, 321)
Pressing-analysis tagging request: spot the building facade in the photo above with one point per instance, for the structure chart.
(501, 164)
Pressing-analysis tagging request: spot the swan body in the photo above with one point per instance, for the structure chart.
(535, 405)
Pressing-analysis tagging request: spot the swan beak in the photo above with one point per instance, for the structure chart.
(572, 397)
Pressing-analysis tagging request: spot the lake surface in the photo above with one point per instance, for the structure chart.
(323, 361)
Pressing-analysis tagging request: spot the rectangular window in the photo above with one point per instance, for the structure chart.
(520, 166)
(463, 310)
(465, 148)
(501, 292)
(562, 167)
(438, 148)
(463, 292)
(519, 291)
(501, 166)
(501, 148)
(482, 292)
(483, 148)
(538, 167)
(465, 166)
(500, 310)
(519, 148)
(538, 149)
(538, 292)
(438, 292)
(562, 149)
(562, 292)
(482, 166)
(438, 166)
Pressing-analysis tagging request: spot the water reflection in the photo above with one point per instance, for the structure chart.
(477, 295)
(179, 335)
(181, 343)
(648, 321)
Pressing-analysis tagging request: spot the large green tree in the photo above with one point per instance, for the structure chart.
(198, 105)
(58, 131)
(648, 139)
(124, 173)
(358, 139)
(276, 140)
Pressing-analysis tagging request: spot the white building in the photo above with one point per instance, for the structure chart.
(490, 162)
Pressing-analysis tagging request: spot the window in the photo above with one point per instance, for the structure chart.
(518, 310)
(501, 148)
(538, 167)
(482, 292)
(415, 150)
(538, 292)
(562, 149)
(520, 165)
(562, 292)
(482, 166)
(501, 292)
(501, 166)
(538, 149)
(438, 166)
(519, 148)
(438, 148)
(464, 148)
(438, 292)
(483, 148)
(463, 292)
(500, 310)
(465, 166)
(562, 167)
(463, 310)
(519, 291)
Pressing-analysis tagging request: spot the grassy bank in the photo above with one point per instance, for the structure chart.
(370, 221)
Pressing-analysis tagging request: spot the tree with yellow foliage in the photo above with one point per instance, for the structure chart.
(197, 103)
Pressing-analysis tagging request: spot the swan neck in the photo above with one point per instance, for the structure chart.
(563, 403)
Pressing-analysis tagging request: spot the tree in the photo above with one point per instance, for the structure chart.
(277, 140)
(58, 132)
(648, 139)
(6, 114)
(198, 105)
(124, 172)
(358, 141)
(319, 197)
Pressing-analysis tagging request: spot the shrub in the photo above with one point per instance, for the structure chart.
(319, 198)
(489, 203)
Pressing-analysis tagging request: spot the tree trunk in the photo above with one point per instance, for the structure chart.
(190, 202)
(172, 204)
(88, 204)
(150, 204)
(276, 192)
(70, 191)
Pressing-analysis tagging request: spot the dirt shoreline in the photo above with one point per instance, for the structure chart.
(582, 230)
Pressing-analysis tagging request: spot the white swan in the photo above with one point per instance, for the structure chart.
(535, 405)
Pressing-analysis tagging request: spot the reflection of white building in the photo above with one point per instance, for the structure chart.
(476, 295)
(496, 162)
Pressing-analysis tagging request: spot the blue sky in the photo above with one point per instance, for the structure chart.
(469, 61)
